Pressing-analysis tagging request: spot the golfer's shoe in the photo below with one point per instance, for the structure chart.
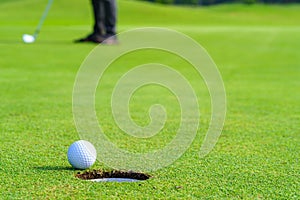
(91, 38)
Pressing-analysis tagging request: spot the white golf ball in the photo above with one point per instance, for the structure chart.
(82, 154)
(28, 38)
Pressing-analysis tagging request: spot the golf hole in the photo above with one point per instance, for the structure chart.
(112, 176)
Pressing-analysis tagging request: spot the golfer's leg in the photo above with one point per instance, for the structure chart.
(98, 8)
(110, 7)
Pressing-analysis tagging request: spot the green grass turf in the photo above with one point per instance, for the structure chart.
(257, 51)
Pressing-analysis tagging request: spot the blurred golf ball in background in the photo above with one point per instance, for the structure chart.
(82, 154)
(28, 38)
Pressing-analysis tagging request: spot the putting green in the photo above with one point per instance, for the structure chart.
(256, 49)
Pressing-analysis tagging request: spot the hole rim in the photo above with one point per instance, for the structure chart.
(112, 176)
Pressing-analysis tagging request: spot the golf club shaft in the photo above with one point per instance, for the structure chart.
(38, 28)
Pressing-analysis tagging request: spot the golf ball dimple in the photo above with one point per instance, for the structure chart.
(28, 38)
(82, 154)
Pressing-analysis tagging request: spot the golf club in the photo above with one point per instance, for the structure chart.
(31, 38)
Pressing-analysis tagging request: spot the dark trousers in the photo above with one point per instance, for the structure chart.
(105, 12)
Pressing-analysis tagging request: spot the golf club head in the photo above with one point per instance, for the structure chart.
(28, 38)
